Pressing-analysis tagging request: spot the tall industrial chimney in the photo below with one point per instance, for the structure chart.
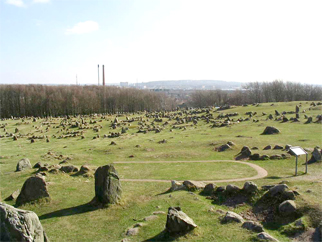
(98, 72)
(103, 77)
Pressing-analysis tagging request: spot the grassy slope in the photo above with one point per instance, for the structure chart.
(65, 219)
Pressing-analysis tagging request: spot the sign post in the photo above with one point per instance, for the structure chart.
(297, 151)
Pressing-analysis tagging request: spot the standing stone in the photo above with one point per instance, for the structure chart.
(178, 221)
(297, 109)
(20, 225)
(23, 164)
(33, 189)
(107, 185)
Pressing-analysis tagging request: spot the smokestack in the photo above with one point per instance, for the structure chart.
(103, 77)
(98, 71)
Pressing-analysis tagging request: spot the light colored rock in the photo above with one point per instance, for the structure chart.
(287, 207)
(178, 221)
(253, 226)
(176, 186)
(132, 231)
(23, 164)
(20, 225)
(266, 236)
(158, 212)
(150, 218)
(232, 217)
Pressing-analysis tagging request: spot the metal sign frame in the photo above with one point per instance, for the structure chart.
(297, 151)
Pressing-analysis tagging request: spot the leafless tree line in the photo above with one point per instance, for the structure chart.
(43, 100)
(258, 92)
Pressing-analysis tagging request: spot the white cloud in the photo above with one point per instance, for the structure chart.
(40, 1)
(83, 27)
(17, 3)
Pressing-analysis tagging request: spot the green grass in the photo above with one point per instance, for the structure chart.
(67, 218)
(185, 171)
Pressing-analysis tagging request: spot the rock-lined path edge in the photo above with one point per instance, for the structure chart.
(261, 172)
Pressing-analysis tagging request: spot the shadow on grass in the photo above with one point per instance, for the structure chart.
(165, 192)
(165, 236)
(84, 208)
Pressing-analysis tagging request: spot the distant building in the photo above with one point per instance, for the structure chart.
(124, 84)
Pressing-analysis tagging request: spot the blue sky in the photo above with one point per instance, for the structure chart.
(52, 41)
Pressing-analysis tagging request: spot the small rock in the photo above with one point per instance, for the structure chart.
(158, 212)
(193, 185)
(176, 186)
(253, 226)
(209, 189)
(250, 187)
(287, 207)
(268, 147)
(150, 218)
(232, 217)
(132, 231)
(230, 189)
(13, 195)
(23, 164)
(266, 236)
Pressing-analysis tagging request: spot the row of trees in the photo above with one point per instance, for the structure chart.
(42, 100)
(258, 92)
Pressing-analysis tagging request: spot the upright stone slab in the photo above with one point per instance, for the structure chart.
(33, 189)
(178, 221)
(107, 185)
(20, 225)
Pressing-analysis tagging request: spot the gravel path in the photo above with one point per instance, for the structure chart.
(260, 171)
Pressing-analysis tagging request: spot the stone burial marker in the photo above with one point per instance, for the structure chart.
(108, 188)
(20, 225)
(33, 189)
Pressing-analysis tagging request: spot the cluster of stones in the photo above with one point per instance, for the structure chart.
(279, 195)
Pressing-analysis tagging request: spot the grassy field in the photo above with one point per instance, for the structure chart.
(67, 217)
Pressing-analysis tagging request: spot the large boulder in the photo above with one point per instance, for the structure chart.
(232, 217)
(271, 130)
(107, 185)
(20, 225)
(287, 208)
(33, 189)
(23, 164)
(178, 221)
